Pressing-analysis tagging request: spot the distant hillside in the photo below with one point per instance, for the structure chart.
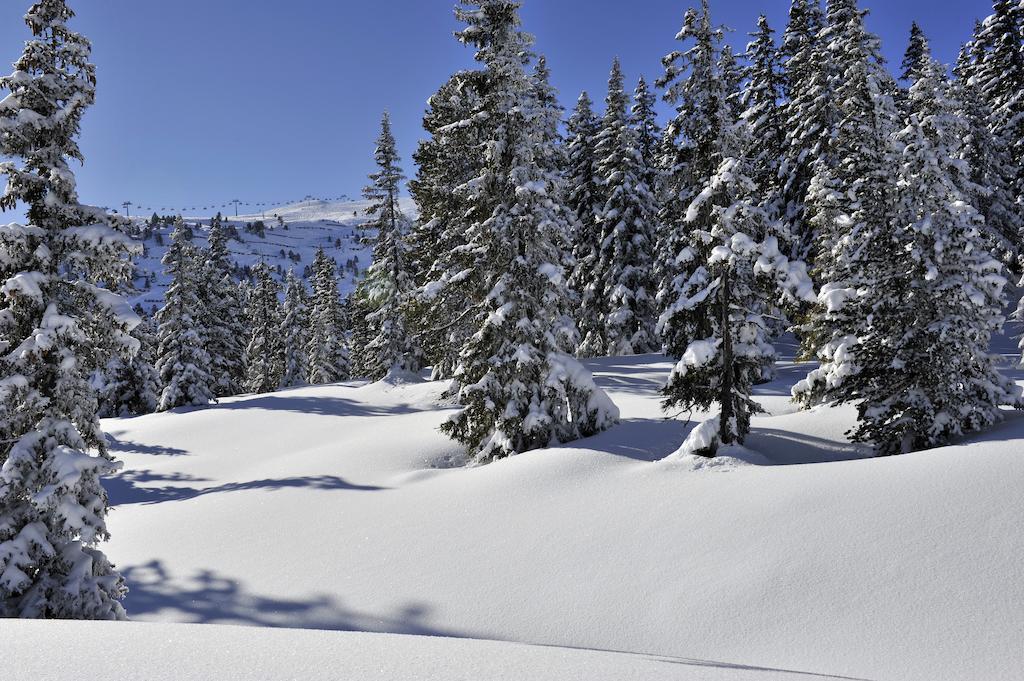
(335, 226)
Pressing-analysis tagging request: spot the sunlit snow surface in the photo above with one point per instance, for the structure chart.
(342, 508)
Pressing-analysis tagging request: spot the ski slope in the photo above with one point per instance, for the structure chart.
(342, 508)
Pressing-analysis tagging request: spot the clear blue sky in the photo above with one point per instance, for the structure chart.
(203, 101)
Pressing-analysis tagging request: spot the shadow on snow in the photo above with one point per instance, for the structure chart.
(127, 487)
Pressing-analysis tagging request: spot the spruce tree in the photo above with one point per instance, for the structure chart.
(696, 82)
(264, 355)
(811, 118)
(991, 71)
(717, 322)
(644, 119)
(851, 200)
(225, 329)
(622, 288)
(294, 332)
(328, 352)
(760, 100)
(441, 312)
(519, 388)
(915, 59)
(584, 195)
(993, 173)
(388, 287)
(999, 75)
(132, 385)
(57, 323)
(919, 368)
(182, 360)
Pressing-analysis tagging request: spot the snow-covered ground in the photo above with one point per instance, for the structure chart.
(343, 508)
(41, 651)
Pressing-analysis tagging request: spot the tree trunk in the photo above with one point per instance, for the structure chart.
(725, 433)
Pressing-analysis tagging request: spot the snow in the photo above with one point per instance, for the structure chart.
(65, 651)
(338, 508)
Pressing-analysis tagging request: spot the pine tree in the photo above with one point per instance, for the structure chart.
(915, 60)
(993, 172)
(811, 118)
(760, 101)
(182, 360)
(644, 119)
(439, 259)
(697, 82)
(850, 204)
(132, 386)
(264, 355)
(388, 286)
(920, 369)
(736, 275)
(328, 355)
(622, 288)
(294, 332)
(991, 73)
(225, 330)
(999, 75)
(584, 195)
(57, 325)
(519, 389)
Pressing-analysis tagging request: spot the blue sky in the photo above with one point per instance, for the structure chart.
(204, 101)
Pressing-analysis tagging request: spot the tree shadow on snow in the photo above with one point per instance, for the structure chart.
(637, 375)
(321, 406)
(640, 439)
(786, 448)
(128, 487)
(129, 447)
(208, 597)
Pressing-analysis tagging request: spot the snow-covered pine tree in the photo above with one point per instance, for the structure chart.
(328, 353)
(295, 332)
(850, 204)
(440, 261)
(811, 117)
(920, 369)
(388, 287)
(736, 276)
(622, 288)
(584, 195)
(993, 172)
(225, 328)
(696, 82)
(182, 360)
(644, 119)
(761, 103)
(56, 324)
(519, 388)
(999, 76)
(132, 385)
(264, 355)
(915, 59)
